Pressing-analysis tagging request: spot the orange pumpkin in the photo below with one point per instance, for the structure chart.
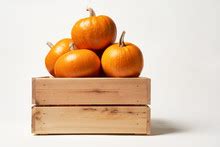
(94, 32)
(122, 59)
(77, 63)
(61, 47)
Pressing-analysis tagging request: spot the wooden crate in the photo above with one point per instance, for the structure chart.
(90, 105)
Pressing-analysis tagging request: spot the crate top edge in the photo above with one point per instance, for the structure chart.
(91, 78)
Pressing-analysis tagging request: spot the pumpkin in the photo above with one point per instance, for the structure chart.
(94, 32)
(61, 47)
(77, 63)
(122, 59)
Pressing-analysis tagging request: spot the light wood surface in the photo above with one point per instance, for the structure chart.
(91, 91)
(91, 120)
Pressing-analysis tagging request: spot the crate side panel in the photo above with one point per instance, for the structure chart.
(90, 120)
(73, 91)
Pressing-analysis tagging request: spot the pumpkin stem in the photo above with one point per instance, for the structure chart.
(121, 41)
(50, 44)
(71, 46)
(91, 11)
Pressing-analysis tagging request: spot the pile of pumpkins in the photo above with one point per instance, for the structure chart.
(91, 51)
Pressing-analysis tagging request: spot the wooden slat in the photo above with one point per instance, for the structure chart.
(33, 90)
(91, 91)
(91, 120)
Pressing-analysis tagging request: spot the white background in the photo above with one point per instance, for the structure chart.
(180, 40)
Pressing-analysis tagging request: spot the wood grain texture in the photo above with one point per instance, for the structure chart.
(33, 90)
(91, 120)
(91, 91)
